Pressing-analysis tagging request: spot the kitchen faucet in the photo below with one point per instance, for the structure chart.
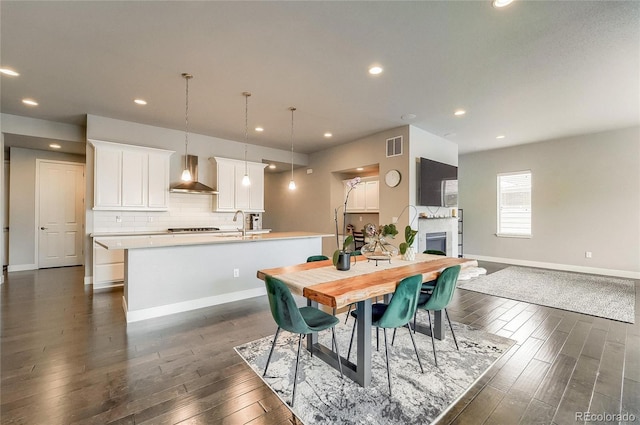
(244, 222)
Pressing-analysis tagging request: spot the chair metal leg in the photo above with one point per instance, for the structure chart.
(377, 338)
(271, 352)
(414, 320)
(451, 327)
(414, 346)
(386, 354)
(433, 344)
(393, 338)
(348, 311)
(353, 331)
(295, 375)
(335, 342)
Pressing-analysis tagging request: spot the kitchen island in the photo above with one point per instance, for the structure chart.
(167, 274)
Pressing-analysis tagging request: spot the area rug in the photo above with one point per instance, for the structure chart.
(602, 296)
(418, 398)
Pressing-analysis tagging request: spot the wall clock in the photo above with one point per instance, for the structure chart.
(392, 178)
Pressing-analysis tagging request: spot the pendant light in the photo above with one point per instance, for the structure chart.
(292, 184)
(245, 180)
(186, 174)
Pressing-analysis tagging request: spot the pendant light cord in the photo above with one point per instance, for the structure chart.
(187, 77)
(246, 128)
(292, 109)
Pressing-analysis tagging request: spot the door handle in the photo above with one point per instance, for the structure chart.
(43, 228)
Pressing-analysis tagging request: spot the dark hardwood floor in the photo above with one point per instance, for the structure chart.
(68, 357)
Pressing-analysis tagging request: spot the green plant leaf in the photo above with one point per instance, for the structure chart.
(409, 235)
(403, 247)
(335, 257)
(348, 241)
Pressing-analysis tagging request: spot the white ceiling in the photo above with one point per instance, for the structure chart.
(533, 71)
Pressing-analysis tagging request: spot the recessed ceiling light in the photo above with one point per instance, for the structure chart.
(359, 169)
(407, 117)
(502, 136)
(30, 102)
(259, 129)
(328, 134)
(140, 101)
(501, 3)
(375, 70)
(9, 71)
(450, 135)
(55, 146)
(459, 112)
(272, 166)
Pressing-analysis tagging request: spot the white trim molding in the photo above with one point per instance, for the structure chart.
(150, 313)
(21, 267)
(555, 266)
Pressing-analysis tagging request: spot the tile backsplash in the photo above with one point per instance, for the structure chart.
(185, 210)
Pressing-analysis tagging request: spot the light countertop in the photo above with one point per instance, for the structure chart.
(168, 240)
(166, 232)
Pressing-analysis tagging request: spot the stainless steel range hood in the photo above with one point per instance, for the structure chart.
(194, 186)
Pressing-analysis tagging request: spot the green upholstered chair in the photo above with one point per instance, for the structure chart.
(396, 314)
(434, 252)
(428, 286)
(299, 320)
(317, 258)
(439, 298)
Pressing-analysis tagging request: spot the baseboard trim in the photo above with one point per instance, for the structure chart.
(22, 267)
(556, 266)
(88, 280)
(150, 313)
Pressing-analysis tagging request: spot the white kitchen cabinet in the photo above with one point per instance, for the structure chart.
(232, 195)
(132, 178)
(107, 177)
(364, 197)
(371, 196)
(108, 266)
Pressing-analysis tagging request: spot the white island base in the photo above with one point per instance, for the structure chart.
(166, 275)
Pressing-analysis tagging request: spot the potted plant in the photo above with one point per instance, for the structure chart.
(342, 257)
(406, 248)
(378, 247)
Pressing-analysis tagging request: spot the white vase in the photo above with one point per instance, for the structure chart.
(409, 254)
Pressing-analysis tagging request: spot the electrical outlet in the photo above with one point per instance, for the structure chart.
(236, 272)
(394, 220)
(150, 219)
(360, 218)
(118, 219)
(587, 254)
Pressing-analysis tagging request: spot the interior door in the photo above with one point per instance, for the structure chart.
(60, 214)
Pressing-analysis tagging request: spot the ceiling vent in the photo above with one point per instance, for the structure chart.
(394, 146)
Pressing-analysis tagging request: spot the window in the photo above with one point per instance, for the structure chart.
(514, 204)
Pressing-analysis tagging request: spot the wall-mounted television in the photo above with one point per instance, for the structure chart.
(437, 184)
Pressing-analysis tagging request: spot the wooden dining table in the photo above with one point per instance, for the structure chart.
(320, 283)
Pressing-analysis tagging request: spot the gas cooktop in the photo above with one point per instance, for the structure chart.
(192, 229)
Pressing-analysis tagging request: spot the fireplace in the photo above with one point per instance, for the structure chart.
(437, 241)
(438, 234)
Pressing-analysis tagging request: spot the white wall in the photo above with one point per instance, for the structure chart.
(22, 200)
(185, 210)
(585, 196)
(311, 206)
(436, 148)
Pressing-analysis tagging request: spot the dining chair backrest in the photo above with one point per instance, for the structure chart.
(317, 258)
(444, 289)
(403, 304)
(434, 252)
(284, 309)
